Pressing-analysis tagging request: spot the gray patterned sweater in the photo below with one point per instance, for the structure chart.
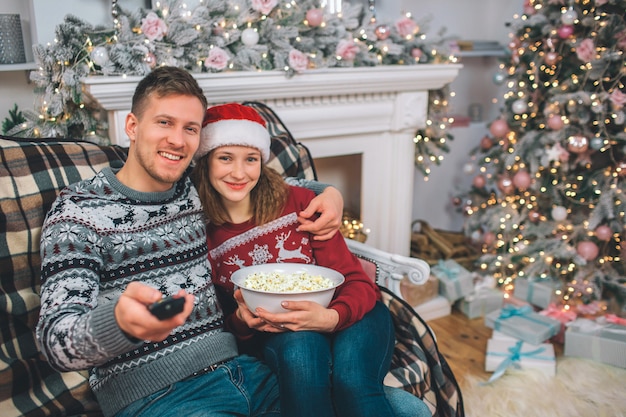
(100, 235)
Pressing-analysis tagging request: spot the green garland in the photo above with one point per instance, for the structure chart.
(214, 36)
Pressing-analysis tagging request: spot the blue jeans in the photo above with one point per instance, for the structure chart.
(405, 404)
(338, 374)
(243, 386)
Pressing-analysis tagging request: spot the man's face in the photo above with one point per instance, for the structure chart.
(163, 140)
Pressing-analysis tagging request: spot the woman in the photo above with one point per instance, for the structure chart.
(329, 361)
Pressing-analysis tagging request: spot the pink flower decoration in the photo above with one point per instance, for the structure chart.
(618, 98)
(217, 59)
(264, 6)
(347, 49)
(153, 27)
(298, 60)
(586, 50)
(406, 26)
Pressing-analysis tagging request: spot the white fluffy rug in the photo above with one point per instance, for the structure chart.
(581, 388)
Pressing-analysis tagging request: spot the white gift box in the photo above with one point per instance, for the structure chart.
(502, 353)
(455, 281)
(479, 303)
(537, 292)
(601, 342)
(434, 309)
(523, 323)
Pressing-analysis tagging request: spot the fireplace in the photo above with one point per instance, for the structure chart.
(371, 112)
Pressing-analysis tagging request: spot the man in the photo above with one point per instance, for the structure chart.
(116, 243)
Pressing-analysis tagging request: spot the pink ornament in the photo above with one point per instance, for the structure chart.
(479, 181)
(486, 143)
(416, 53)
(534, 216)
(587, 250)
(555, 122)
(382, 32)
(577, 144)
(565, 31)
(521, 180)
(315, 17)
(505, 184)
(499, 128)
(551, 58)
(150, 59)
(489, 238)
(604, 233)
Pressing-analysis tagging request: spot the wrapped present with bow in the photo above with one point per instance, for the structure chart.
(523, 323)
(502, 354)
(455, 281)
(562, 314)
(484, 299)
(602, 340)
(537, 292)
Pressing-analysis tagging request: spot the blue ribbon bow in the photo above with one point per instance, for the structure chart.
(513, 358)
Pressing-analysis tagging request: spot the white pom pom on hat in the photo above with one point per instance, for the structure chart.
(233, 124)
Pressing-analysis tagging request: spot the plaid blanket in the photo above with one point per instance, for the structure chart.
(31, 175)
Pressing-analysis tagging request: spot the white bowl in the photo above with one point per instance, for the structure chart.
(271, 300)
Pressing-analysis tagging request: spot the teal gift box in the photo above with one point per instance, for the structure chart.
(537, 292)
(601, 342)
(481, 302)
(455, 281)
(523, 323)
(503, 353)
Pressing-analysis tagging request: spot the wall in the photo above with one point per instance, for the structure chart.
(467, 19)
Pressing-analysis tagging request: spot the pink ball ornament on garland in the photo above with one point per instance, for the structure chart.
(565, 31)
(555, 122)
(505, 184)
(479, 181)
(534, 216)
(489, 238)
(382, 32)
(486, 143)
(577, 144)
(551, 58)
(150, 59)
(521, 180)
(603, 232)
(499, 128)
(315, 17)
(587, 250)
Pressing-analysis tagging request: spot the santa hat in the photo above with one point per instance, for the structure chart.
(233, 124)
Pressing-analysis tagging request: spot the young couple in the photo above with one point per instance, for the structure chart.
(113, 244)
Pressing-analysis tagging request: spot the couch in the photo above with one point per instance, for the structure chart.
(32, 172)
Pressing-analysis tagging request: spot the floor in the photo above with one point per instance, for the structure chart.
(463, 342)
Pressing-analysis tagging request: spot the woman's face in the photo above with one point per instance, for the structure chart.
(234, 171)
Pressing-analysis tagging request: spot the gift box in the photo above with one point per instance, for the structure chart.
(523, 323)
(415, 294)
(504, 353)
(537, 292)
(455, 281)
(601, 342)
(481, 302)
(561, 314)
(434, 309)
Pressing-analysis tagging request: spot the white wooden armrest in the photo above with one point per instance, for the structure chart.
(393, 267)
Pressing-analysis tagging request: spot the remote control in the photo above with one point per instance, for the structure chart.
(167, 307)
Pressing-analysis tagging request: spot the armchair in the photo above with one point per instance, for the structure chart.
(33, 171)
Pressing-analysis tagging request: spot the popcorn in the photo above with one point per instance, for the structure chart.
(286, 283)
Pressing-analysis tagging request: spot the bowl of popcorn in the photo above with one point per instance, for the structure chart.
(268, 285)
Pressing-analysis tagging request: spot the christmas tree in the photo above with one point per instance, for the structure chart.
(547, 200)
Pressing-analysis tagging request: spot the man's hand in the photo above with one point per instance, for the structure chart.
(134, 318)
(330, 206)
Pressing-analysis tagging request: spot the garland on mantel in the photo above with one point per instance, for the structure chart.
(217, 36)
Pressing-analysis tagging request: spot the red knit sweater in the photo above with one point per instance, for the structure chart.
(237, 245)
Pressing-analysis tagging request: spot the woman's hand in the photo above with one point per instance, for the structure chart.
(303, 315)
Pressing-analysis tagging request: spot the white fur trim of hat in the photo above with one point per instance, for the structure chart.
(233, 124)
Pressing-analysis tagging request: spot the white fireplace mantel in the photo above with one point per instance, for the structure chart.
(372, 112)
